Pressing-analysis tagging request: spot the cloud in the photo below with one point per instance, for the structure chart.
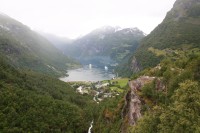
(75, 17)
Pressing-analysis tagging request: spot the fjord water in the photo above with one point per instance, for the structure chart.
(89, 73)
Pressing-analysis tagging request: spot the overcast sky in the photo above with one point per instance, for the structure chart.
(72, 18)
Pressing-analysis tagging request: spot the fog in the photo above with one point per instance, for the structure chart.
(72, 18)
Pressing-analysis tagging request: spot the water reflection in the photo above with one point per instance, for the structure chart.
(88, 73)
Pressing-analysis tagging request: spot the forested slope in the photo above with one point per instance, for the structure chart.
(33, 102)
(24, 48)
(180, 28)
(169, 103)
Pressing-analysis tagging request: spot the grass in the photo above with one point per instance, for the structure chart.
(116, 89)
(157, 52)
(118, 84)
(121, 82)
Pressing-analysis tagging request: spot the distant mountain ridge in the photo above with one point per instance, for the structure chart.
(105, 45)
(24, 48)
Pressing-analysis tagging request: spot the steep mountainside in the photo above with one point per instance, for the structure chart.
(24, 48)
(171, 101)
(34, 102)
(181, 27)
(164, 98)
(105, 45)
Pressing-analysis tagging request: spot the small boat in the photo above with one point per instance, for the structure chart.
(90, 66)
(106, 68)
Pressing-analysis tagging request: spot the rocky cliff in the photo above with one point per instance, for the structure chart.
(134, 65)
(132, 108)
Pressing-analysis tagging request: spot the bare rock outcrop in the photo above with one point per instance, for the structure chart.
(135, 103)
(132, 108)
(134, 65)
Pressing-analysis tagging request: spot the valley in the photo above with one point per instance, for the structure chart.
(105, 46)
(109, 80)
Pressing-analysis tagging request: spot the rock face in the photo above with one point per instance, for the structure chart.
(135, 103)
(134, 65)
(132, 109)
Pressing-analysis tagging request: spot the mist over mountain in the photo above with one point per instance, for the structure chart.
(24, 48)
(104, 46)
(59, 42)
(157, 90)
(31, 94)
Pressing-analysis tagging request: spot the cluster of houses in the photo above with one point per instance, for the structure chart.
(99, 91)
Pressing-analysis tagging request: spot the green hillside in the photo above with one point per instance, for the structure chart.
(26, 49)
(169, 103)
(180, 28)
(33, 102)
(162, 95)
(176, 107)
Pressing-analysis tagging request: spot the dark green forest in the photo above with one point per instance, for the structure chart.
(33, 99)
(33, 102)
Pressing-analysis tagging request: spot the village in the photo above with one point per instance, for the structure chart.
(101, 89)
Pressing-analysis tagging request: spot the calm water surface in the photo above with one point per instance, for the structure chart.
(88, 73)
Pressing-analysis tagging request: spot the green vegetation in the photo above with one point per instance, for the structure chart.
(157, 52)
(171, 54)
(123, 69)
(26, 49)
(180, 28)
(108, 115)
(117, 85)
(32, 102)
(174, 108)
(122, 82)
(177, 34)
(170, 103)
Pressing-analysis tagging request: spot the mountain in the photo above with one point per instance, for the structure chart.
(32, 98)
(164, 98)
(161, 99)
(34, 102)
(105, 46)
(24, 48)
(179, 29)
